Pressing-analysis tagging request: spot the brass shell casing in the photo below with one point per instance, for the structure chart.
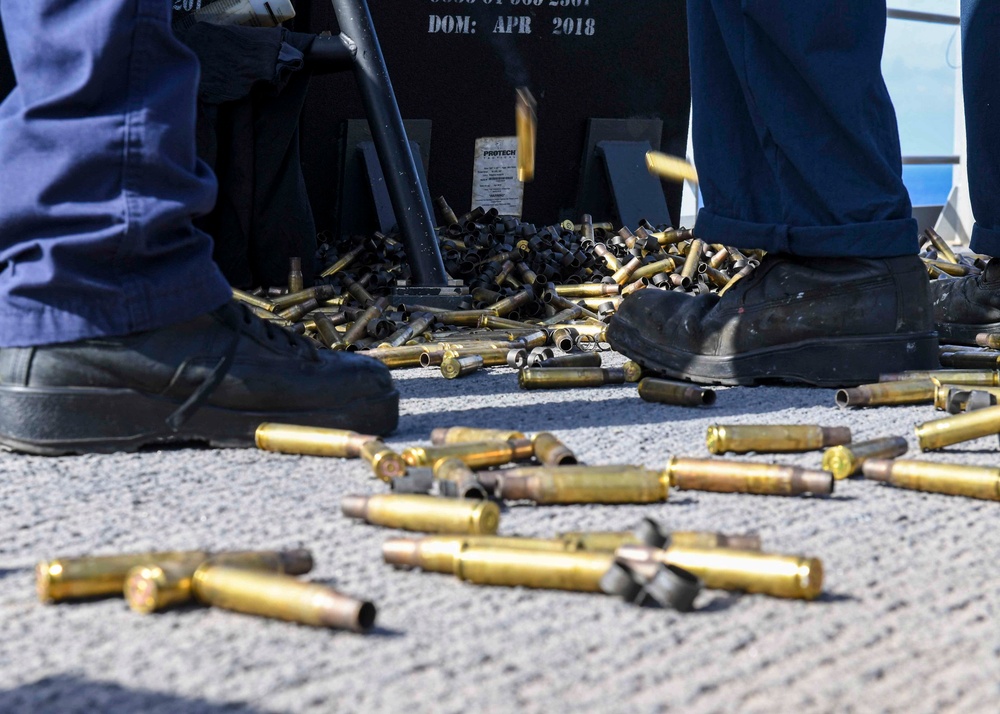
(955, 429)
(960, 377)
(152, 588)
(310, 440)
(398, 357)
(579, 359)
(100, 576)
(665, 391)
(581, 572)
(464, 434)
(455, 367)
(844, 461)
(953, 479)
(571, 377)
(587, 290)
(584, 484)
(428, 514)
(550, 451)
(526, 123)
(774, 438)
(386, 464)
(743, 570)
(280, 597)
(438, 554)
(910, 391)
(610, 541)
(476, 455)
(743, 477)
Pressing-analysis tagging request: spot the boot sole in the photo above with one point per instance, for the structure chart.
(827, 362)
(62, 421)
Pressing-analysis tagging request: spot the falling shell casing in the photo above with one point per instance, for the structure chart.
(152, 588)
(939, 433)
(774, 438)
(584, 484)
(787, 576)
(481, 454)
(665, 391)
(844, 461)
(581, 572)
(428, 514)
(526, 122)
(465, 434)
(310, 440)
(571, 377)
(952, 479)
(910, 391)
(745, 477)
(280, 597)
(455, 367)
(386, 464)
(550, 451)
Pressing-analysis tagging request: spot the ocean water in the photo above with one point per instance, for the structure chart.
(928, 185)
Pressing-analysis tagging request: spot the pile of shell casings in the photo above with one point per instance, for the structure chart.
(528, 287)
(254, 582)
(451, 488)
(943, 262)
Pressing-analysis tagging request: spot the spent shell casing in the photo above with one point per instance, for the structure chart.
(526, 123)
(910, 391)
(774, 438)
(466, 485)
(665, 391)
(844, 461)
(968, 359)
(465, 434)
(988, 339)
(297, 312)
(101, 576)
(455, 367)
(477, 455)
(584, 484)
(156, 587)
(429, 514)
(610, 541)
(958, 377)
(510, 567)
(550, 451)
(580, 359)
(438, 553)
(329, 335)
(572, 377)
(746, 477)
(310, 440)
(295, 277)
(940, 433)
(517, 358)
(259, 302)
(319, 293)
(952, 479)
(280, 597)
(386, 464)
(787, 576)
(399, 357)
(584, 290)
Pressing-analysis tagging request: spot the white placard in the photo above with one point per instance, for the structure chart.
(494, 176)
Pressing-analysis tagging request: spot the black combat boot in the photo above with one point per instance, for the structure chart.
(830, 322)
(964, 307)
(213, 380)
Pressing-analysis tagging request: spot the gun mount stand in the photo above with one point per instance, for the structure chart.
(357, 47)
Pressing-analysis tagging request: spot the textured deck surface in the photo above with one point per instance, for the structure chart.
(908, 621)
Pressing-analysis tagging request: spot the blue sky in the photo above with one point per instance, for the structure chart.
(919, 64)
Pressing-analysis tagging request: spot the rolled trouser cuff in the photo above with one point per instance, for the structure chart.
(985, 241)
(878, 239)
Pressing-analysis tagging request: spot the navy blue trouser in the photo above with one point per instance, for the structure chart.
(99, 179)
(980, 57)
(793, 130)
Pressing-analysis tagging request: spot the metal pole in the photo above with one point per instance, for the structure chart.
(413, 214)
